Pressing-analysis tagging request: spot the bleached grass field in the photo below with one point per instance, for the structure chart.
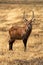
(11, 14)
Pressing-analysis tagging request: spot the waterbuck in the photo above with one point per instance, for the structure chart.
(20, 33)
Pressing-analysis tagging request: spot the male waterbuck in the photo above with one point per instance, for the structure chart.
(20, 33)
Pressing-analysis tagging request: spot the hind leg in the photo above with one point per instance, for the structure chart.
(25, 42)
(10, 44)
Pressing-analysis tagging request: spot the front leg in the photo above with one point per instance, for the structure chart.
(11, 44)
(25, 43)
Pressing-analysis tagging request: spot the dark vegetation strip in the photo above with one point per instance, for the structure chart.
(22, 2)
(4, 29)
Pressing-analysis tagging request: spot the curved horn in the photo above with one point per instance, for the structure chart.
(24, 15)
(32, 15)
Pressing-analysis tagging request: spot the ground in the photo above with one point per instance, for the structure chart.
(11, 14)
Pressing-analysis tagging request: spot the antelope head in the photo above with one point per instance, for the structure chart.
(25, 17)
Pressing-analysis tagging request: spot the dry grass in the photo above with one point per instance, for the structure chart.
(10, 14)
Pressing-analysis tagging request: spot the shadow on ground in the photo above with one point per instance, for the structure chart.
(34, 61)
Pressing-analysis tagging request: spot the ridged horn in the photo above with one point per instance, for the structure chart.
(32, 16)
